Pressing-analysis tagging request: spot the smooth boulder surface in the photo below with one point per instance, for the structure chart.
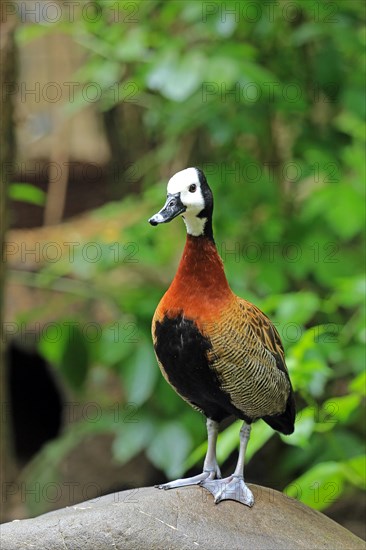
(185, 518)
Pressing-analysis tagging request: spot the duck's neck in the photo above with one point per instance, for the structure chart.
(199, 226)
(199, 289)
(201, 268)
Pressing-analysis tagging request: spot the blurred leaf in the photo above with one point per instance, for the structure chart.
(355, 471)
(169, 448)
(132, 439)
(344, 199)
(339, 409)
(306, 364)
(75, 360)
(298, 308)
(225, 26)
(358, 385)
(27, 33)
(27, 192)
(304, 427)
(227, 67)
(133, 47)
(350, 291)
(319, 487)
(140, 373)
(119, 340)
(177, 78)
(306, 33)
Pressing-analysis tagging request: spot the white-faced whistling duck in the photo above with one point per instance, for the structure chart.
(218, 351)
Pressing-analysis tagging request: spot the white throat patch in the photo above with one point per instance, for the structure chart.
(195, 226)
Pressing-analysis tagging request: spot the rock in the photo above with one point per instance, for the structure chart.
(183, 519)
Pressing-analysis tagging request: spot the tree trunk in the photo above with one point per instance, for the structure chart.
(8, 73)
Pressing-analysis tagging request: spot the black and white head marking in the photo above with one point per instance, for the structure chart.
(196, 196)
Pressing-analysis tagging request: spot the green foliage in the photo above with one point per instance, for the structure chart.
(27, 193)
(169, 448)
(272, 110)
(332, 476)
(69, 355)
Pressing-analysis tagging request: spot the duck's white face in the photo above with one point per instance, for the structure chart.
(186, 197)
(187, 185)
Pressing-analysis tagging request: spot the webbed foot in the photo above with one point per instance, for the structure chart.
(229, 488)
(207, 475)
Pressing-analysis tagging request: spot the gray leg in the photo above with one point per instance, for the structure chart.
(244, 436)
(233, 487)
(211, 469)
(210, 463)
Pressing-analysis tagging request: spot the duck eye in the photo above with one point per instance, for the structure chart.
(192, 188)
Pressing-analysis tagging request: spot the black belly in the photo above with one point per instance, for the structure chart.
(182, 351)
